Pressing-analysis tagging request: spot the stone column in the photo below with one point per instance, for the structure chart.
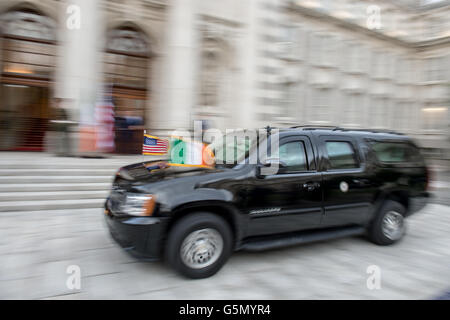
(79, 66)
(247, 60)
(173, 110)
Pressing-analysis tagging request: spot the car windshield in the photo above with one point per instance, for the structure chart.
(233, 149)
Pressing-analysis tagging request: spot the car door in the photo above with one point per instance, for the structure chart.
(290, 200)
(347, 187)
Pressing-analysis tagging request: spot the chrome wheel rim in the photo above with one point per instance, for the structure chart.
(393, 225)
(201, 248)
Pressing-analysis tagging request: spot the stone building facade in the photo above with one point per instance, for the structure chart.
(237, 63)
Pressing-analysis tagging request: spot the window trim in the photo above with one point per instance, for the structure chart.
(309, 154)
(306, 163)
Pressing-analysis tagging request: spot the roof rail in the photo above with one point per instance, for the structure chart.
(312, 127)
(336, 128)
(371, 130)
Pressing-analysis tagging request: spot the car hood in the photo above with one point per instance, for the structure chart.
(161, 173)
(159, 169)
(175, 185)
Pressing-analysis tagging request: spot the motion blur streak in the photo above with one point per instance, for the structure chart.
(85, 79)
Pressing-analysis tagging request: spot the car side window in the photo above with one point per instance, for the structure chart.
(293, 155)
(392, 152)
(341, 155)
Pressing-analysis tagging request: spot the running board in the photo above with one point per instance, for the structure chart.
(299, 238)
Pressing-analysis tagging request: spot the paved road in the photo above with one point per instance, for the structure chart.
(36, 249)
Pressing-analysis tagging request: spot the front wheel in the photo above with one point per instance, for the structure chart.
(389, 224)
(199, 245)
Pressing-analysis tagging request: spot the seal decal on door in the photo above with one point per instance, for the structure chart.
(343, 186)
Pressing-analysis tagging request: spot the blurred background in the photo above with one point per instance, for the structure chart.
(85, 78)
(161, 64)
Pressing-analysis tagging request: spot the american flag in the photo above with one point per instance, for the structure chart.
(154, 146)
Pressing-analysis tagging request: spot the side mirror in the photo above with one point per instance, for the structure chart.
(274, 161)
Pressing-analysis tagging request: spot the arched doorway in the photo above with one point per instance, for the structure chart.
(28, 49)
(127, 60)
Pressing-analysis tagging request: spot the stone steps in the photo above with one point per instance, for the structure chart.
(57, 172)
(33, 182)
(55, 179)
(48, 165)
(38, 205)
(52, 195)
(48, 187)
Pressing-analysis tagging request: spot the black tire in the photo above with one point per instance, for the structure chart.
(183, 228)
(375, 231)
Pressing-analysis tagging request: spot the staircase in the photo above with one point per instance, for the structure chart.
(39, 181)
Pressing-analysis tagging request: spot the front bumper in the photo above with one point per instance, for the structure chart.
(143, 237)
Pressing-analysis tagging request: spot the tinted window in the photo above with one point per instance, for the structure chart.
(294, 156)
(341, 155)
(232, 149)
(393, 152)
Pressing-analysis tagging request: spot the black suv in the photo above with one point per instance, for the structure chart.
(330, 183)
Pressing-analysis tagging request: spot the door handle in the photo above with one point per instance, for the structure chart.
(311, 186)
(360, 182)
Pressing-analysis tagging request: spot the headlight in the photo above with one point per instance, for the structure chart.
(137, 204)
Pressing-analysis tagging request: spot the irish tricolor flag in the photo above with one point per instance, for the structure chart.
(190, 153)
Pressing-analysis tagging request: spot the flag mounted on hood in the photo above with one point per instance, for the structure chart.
(190, 153)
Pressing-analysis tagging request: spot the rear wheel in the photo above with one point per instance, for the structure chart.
(389, 225)
(199, 244)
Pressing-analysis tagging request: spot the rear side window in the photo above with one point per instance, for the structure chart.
(396, 152)
(341, 155)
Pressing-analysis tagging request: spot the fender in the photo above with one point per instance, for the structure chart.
(217, 201)
(398, 194)
(196, 195)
